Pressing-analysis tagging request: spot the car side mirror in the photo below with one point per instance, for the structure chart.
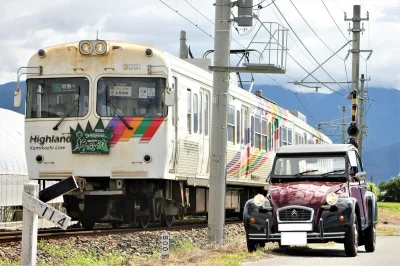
(17, 97)
(169, 97)
(361, 176)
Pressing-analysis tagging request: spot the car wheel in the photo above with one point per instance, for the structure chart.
(351, 239)
(282, 246)
(370, 238)
(253, 244)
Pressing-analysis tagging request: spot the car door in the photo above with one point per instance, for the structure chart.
(363, 189)
(355, 185)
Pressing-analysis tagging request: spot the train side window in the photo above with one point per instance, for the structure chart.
(245, 125)
(258, 132)
(189, 111)
(195, 113)
(269, 136)
(264, 132)
(201, 113)
(252, 131)
(289, 136)
(206, 110)
(231, 125)
(239, 127)
(174, 86)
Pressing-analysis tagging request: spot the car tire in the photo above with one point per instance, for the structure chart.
(253, 244)
(282, 246)
(351, 239)
(370, 238)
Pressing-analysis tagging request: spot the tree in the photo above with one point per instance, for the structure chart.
(390, 190)
(373, 188)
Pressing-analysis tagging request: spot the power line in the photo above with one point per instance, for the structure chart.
(187, 20)
(313, 29)
(308, 50)
(199, 12)
(7, 78)
(334, 19)
(245, 47)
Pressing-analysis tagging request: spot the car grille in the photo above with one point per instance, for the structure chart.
(295, 214)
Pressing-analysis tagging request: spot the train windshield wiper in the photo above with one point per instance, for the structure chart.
(119, 115)
(305, 172)
(72, 108)
(331, 172)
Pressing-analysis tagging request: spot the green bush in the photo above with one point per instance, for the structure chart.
(373, 188)
(390, 190)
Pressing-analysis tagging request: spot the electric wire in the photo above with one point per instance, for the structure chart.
(7, 78)
(187, 19)
(298, 11)
(247, 47)
(199, 12)
(308, 51)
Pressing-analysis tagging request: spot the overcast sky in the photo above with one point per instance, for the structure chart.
(27, 26)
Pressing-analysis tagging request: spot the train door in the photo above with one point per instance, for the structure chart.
(174, 126)
(205, 130)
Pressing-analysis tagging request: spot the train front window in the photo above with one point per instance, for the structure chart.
(54, 97)
(134, 97)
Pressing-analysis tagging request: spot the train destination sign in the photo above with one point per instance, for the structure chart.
(46, 211)
(92, 141)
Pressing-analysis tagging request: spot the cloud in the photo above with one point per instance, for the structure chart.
(27, 26)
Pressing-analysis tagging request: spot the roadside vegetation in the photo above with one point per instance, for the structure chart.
(233, 252)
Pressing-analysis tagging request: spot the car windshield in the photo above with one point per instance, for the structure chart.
(310, 166)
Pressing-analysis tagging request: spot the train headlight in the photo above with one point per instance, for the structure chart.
(100, 48)
(332, 198)
(86, 48)
(259, 200)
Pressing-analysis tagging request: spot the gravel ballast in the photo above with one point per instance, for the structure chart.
(127, 244)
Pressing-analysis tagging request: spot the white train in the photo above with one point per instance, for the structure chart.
(132, 124)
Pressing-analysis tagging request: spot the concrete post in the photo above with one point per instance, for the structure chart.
(344, 125)
(29, 229)
(216, 212)
(361, 118)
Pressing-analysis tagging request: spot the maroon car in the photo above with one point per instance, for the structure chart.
(317, 194)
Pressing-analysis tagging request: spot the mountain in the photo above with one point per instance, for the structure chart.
(7, 97)
(381, 146)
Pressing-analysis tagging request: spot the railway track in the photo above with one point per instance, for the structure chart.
(15, 236)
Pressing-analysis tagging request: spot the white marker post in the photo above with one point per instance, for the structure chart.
(29, 229)
(165, 245)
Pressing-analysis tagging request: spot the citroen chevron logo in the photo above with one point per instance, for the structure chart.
(294, 213)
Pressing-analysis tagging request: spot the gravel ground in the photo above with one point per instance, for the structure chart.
(139, 243)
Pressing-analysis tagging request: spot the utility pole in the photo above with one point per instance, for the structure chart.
(343, 124)
(355, 51)
(361, 117)
(216, 207)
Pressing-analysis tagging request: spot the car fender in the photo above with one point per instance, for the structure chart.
(352, 203)
(372, 203)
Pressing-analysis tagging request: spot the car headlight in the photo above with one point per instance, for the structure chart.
(259, 200)
(332, 198)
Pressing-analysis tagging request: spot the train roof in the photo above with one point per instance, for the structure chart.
(315, 148)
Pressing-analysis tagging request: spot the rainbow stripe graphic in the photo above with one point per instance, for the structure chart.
(143, 128)
(245, 163)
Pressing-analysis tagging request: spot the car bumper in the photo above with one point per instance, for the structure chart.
(319, 236)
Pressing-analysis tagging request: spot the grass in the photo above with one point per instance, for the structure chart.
(232, 253)
(391, 206)
(389, 213)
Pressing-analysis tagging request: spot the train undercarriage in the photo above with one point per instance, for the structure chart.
(141, 202)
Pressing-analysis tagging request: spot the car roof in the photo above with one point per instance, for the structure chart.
(315, 148)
